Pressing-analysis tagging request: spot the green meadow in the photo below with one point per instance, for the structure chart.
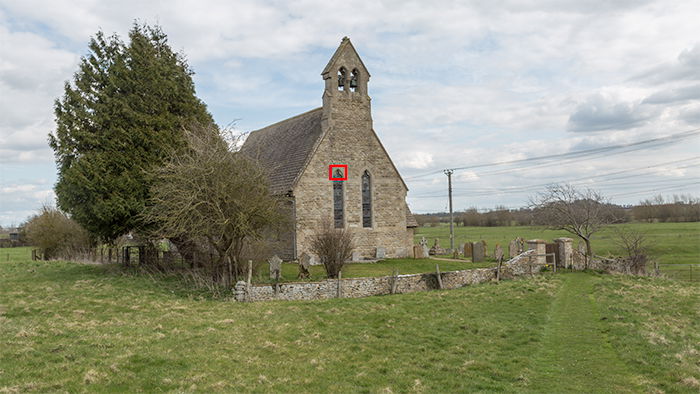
(68, 327)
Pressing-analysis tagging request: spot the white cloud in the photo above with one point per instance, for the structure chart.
(453, 83)
(415, 159)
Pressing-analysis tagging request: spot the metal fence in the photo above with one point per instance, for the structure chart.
(684, 272)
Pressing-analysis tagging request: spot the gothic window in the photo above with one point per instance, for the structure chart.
(366, 200)
(341, 78)
(338, 201)
(354, 80)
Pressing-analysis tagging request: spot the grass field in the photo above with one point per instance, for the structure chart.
(669, 243)
(72, 327)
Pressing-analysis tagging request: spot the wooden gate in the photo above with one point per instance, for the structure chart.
(552, 248)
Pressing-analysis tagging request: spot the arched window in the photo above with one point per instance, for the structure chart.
(338, 208)
(354, 80)
(366, 200)
(342, 75)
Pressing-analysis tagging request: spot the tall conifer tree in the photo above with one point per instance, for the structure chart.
(122, 116)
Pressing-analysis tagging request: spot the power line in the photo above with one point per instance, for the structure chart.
(638, 145)
(525, 188)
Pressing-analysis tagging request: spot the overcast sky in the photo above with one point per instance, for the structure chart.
(454, 84)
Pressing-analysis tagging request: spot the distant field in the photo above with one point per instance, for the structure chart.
(67, 327)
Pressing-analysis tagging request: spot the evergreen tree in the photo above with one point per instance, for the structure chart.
(121, 118)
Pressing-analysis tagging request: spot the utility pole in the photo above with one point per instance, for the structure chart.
(449, 172)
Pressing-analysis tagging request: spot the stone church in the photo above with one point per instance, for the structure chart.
(298, 152)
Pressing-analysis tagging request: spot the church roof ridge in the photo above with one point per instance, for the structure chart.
(286, 120)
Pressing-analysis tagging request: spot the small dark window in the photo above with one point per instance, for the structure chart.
(366, 200)
(338, 207)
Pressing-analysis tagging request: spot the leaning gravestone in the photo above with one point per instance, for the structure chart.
(498, 253)
(513, 248)
(381, 253)
(477, 252)
(304, 264)
(468, 249)
(275, 266)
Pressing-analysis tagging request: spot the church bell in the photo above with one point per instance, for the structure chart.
(341, 80)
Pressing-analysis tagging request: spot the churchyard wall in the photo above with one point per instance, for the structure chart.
(523, 264)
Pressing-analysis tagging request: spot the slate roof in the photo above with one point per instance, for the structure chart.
(283, 148)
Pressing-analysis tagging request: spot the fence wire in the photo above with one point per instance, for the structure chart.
(684, 272)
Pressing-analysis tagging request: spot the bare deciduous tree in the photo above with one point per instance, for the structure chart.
(215, 195)
(333, 246)
(634, 243)
(579, 212)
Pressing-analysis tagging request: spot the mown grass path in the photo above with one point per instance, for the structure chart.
(575, 354)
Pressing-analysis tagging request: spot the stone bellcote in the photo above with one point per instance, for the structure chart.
(345, 94)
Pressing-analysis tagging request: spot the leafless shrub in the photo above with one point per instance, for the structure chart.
(333, 246)
(214, 198)
(634, 244)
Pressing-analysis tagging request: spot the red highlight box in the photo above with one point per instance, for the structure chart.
(344, 169)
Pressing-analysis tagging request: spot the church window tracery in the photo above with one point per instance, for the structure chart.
(366, 200)
(338, 208)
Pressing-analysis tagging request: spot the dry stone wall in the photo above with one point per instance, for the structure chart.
(523, 264)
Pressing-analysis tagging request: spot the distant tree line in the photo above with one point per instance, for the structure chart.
(678, 208)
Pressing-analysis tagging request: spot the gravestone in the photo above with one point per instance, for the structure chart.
(275, 267)
(486, 249)
(418, 252)
(424, 246)
(467, 249)
(381, 253)
(304, 264)
(356, 256)
(498, 253)
(513, 248)
(477, 252)
(460, 249)
(521, 244)
(436, 249)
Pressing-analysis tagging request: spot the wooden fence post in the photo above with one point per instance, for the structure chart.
(439, 278)
(250, 277)
(277, 282)
(339, 290)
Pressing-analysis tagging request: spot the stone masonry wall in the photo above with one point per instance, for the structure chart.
(524, 264)
(349, 139)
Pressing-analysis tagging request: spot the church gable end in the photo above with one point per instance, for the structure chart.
(297, 153)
